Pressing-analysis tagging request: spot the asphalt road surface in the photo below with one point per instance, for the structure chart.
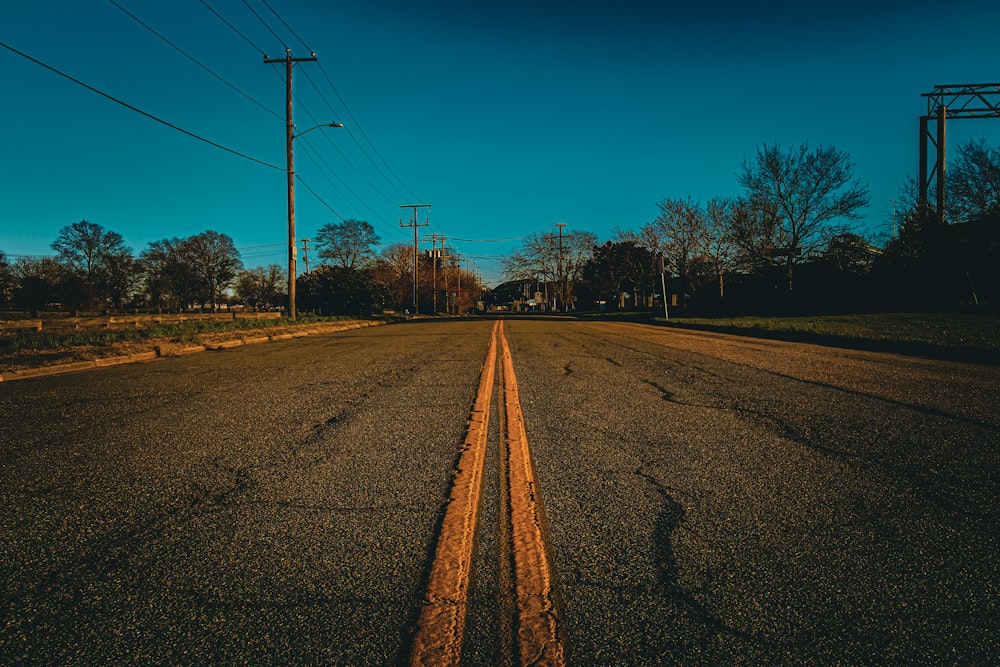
(708, 499)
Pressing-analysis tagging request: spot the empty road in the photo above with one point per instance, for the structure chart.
(683, 498)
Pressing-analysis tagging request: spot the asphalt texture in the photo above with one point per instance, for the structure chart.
(266, 505)
(710, 500)
(715, 500)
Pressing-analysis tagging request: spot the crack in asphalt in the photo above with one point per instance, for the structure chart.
(671, 518)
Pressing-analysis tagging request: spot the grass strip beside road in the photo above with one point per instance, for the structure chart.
(182, 332)
(950, 336)
(27, 350)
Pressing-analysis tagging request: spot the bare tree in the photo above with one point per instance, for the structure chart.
(260, 286)
(86, 249)
(348, 244)
(7, 280)
(168, 280)
(38, 282)
(679, 234)
(577, 250)
(393, 270)
(541, 259)
(536, 260)
(720, 250)
(807, 190)
(974, 182)
(122, 276)
(753, 230)
(214, 263)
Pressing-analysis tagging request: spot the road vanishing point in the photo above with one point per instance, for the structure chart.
(504, 492)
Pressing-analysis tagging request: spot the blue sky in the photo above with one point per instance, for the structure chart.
(506, 117)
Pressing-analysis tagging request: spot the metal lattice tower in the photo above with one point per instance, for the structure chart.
(966, 100)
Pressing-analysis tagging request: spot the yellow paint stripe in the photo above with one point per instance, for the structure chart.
(441, 625)
(539, 640)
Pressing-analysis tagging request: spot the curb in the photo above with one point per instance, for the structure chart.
(158, 353)
(127, 359)
(224, 345)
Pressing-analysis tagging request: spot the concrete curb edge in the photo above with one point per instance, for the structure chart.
(157, 353)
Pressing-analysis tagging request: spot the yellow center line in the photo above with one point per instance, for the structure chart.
(440, 628)
(438, 640)
(539, 637)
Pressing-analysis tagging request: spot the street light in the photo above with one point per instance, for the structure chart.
(296, 136)
(292, 253)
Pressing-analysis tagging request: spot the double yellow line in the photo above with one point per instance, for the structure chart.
(441, 626)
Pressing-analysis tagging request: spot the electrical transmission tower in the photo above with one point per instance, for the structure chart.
(967, 100)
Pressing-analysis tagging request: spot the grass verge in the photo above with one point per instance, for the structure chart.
(35, 349)
(953, 336)
(950, 336)
(182, 332)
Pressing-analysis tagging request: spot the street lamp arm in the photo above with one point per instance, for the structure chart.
(296, 136)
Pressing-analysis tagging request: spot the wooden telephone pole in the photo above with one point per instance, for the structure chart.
(289, 137)
(414, 224)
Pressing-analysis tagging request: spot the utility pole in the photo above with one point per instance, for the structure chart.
(305, 252)
(562, 274)
(414, 224)
(893, 218)
(444, 270)
(289, 137)
(663, 284)
(434, 261)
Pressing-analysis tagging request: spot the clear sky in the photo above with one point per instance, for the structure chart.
(507, 117)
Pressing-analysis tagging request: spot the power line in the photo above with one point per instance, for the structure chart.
(259, 18)
(506, 240)
(355, 140)
(140, 111)
(354, 119)
(337, 148)
(349, 113)
(233, 28)
(357, 124)
(287, 27)
(265, 245)
(316, 159)
(316, 195)
(193, 59)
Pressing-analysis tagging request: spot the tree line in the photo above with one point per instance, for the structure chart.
(94, 269)
(359, 275)
(787, 244)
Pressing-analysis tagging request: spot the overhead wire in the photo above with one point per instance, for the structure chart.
(508, 239)
(357, 124)
(316, 195)
(265, 23)
(140, 111)
(234, 28)
(195, 60)
(354, 120)
(287, 27)
(264, 245)
(305, 109)
(364, 134)
(347, 160)
(326, 170)
(353, 138)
